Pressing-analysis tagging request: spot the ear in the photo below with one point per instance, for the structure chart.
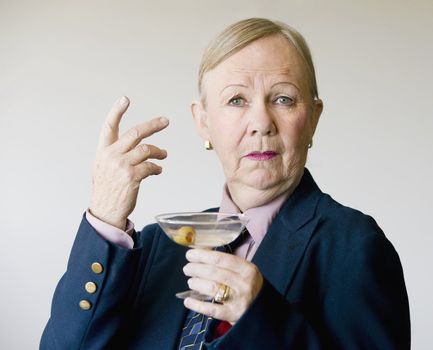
(317, 111)
(200, 119)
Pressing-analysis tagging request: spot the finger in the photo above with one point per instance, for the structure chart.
(212, 273)
(146, 169)
(110, 129)
(134, 136)
(220, 259)
(203, 286)
(143, 152)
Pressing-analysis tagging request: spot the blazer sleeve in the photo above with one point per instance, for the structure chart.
(364, 307)
(77, 313)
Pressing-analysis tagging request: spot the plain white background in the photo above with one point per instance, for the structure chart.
(63, 63)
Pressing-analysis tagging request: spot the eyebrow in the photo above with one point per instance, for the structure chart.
(286, 83)
(273, 85)
(233, 85)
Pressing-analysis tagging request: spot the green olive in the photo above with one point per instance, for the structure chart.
(185, 236)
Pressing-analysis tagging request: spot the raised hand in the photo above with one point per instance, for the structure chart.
(121, 164)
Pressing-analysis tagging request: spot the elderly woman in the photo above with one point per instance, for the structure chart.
(309, 273)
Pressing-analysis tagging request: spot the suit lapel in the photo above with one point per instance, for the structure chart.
(289, 234)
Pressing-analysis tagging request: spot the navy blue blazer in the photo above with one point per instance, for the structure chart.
(332, 281)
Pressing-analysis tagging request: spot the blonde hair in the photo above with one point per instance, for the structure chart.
(242, 33)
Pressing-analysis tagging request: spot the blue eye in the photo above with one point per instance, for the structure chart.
(237, 101)
(285, 100)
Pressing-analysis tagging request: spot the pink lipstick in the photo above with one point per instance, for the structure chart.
(267, 155)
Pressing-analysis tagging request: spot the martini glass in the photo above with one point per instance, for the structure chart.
(201, 230)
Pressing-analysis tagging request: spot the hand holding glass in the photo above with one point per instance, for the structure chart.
(201, 230)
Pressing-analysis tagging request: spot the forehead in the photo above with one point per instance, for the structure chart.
(270, 58)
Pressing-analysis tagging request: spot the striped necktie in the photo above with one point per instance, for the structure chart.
(193, 332)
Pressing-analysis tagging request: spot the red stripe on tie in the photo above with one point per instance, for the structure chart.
(222, 329)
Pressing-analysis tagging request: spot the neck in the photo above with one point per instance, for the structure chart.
(246, 197)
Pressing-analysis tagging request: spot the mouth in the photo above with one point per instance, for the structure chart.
(260, 156)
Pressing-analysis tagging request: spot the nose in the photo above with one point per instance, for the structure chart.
(261, 121)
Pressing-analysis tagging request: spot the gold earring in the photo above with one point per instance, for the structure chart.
(208, 145)
(310, 144)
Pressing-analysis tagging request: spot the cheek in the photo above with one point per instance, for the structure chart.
(295, 131)
(225, 130)
(226, 146)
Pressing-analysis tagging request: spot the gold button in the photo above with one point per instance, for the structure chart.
(85, 305)
(90, 287)
(97, 268)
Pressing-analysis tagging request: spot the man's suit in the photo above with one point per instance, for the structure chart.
(331, 281)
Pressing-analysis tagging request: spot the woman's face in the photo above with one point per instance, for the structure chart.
(259, 115)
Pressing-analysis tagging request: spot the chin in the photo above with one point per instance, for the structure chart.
(263, 180)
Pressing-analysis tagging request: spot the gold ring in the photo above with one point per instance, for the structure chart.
(222, 294)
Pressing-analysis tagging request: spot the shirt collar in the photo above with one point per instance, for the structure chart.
(260, 218)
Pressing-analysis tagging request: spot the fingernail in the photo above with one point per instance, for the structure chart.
(164, 120)
(123, 100)
(185, 269)
(189, 254)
